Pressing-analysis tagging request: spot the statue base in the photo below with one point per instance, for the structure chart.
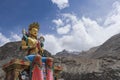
(14, 67)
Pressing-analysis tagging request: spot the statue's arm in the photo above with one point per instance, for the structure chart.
(41, 50)
(24, 46)
(27, 46)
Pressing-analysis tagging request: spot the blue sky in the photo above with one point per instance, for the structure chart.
(58, 20)
(21, 13)
(15, 13)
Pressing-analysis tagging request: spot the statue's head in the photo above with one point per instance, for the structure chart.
(33, 29)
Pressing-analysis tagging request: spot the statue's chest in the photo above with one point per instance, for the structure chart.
(32, 41)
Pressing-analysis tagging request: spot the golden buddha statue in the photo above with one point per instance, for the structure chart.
(34, 46)
(30, 41)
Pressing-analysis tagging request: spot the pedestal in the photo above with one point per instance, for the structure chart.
(14, 67)
(57, 70)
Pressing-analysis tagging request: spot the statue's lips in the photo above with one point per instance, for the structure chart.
(35, 33)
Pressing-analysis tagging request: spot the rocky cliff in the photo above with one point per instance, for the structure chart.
(98, 63)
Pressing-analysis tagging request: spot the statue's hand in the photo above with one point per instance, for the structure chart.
(41, 51)
(32, 47)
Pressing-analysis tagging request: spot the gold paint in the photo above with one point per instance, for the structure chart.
(33, 45)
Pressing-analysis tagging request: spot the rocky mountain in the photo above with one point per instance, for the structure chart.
(98, 63)
(88, 53)
(85, 54)
(110, 49)
(66, 53)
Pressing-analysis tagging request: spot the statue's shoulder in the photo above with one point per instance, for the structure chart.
(31, 39)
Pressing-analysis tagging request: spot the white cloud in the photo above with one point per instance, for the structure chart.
(15, 37)
(50, 44)
(58, 22)
(61, 4)
(63, 30)
(114, 16)
(12, 37)
(3, 39)
(85, 32)
(70, 18)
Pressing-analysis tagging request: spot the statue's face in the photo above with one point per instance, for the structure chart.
(34, 32)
